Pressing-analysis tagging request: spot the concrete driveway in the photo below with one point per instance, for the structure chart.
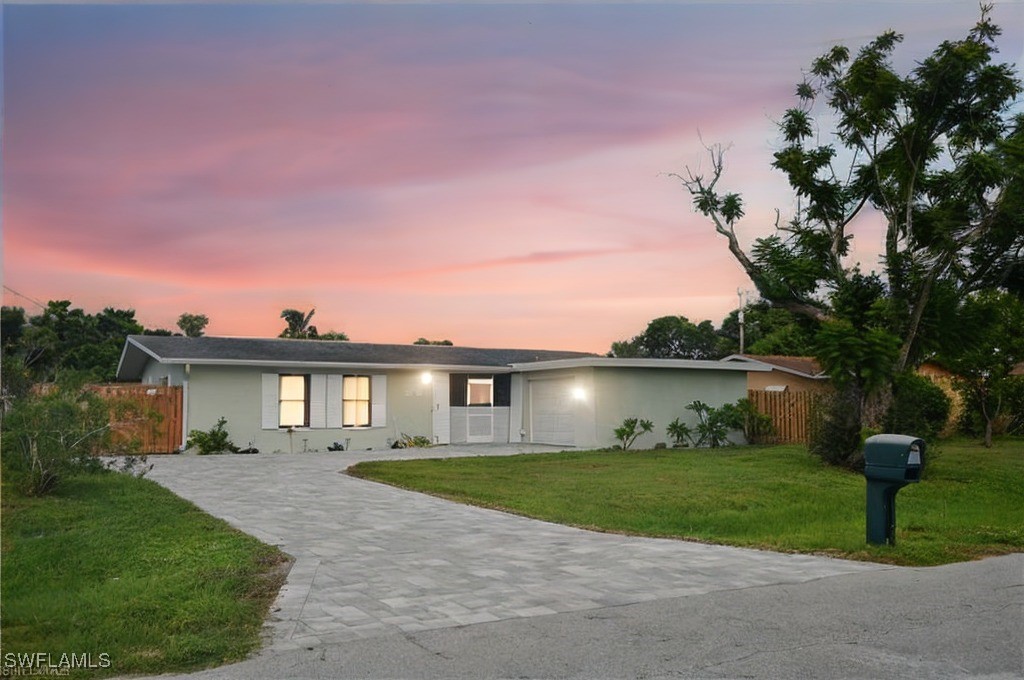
(389, 583)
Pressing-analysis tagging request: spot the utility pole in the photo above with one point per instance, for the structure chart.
(741, 293)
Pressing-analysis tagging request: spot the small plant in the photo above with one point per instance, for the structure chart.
(680, 432)
(630, 429)
(412, 442)
(714, 424)
(214, 440)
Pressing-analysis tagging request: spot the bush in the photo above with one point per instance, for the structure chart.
(412, 442)
(214, 440)
(714, 424)
(51, 433)
(680, 432)
(919, 407)
(835, 429)
(1010, 417)
(630, 429)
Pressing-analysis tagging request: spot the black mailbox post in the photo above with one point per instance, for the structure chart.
(891, 461)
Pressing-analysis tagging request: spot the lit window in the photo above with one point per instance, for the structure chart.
(480, 392)
(355, 401)
(293, 399)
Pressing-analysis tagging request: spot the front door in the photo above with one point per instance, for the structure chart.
(480, 410)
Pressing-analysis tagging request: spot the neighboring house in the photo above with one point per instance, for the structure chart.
(785, 373)
(294, 395)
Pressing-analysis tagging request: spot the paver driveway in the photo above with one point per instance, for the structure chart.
(372, 560)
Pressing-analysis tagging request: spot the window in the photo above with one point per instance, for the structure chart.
(480, 392)
(355, 401)
(293, 401)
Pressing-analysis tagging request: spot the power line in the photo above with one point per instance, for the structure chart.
(32, 300)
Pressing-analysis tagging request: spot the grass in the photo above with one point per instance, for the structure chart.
(968, 506)
(120, 566)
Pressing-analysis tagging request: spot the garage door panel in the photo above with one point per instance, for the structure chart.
(551, 412)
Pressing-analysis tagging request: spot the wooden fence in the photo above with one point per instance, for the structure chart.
(155, 425)
(790, 413)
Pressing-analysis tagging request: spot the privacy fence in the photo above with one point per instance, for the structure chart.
(154, 426)
(790, 413)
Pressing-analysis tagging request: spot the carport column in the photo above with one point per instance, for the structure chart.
(184, 406)
(516, 424)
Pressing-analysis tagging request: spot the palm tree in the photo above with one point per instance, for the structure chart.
(298, 324)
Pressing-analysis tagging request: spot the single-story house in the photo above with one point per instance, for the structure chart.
(295, 395)
(783, 373)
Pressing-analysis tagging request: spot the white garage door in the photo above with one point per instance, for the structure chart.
(551, 412)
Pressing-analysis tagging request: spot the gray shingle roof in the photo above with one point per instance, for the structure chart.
(212, 350)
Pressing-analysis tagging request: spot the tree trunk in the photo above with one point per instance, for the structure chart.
(988, 432)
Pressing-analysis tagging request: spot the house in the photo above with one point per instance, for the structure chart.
(784, 373)
(295, 395)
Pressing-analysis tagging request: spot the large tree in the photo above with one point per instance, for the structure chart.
(983, 350)
(674, 337)
(65, 338)
(936, 152)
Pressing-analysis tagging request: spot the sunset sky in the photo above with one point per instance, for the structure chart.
(494, 174)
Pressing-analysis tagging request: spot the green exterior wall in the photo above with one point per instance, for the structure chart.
(235, 394)
(660, 396)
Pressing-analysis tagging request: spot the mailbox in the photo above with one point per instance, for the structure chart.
(893, 457)
(891, 461)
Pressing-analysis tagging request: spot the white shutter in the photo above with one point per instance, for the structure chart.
(271, 413)
(333, 401)
(379, 400)
(318, 400)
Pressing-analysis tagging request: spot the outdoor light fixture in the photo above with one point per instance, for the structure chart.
(426, 378)
(579, 394)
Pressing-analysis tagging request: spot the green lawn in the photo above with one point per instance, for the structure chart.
(970, 504)
(120, 566)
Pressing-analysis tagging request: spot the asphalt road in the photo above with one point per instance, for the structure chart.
(957, 621)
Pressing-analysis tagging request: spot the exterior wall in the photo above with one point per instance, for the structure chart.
(757, 380)
(236, 394)
(460, 428)
(163, 374)
(659, 395)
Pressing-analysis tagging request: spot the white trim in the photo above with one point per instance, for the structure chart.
(609, 362)
(774, 367)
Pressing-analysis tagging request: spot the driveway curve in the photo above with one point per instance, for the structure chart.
(372, 560)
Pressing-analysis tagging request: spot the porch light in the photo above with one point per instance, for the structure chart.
(426, 378)
(579, 394)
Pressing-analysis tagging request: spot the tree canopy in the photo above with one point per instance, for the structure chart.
(937, 152)
(674, 337)
(193, 325)
(66, 338)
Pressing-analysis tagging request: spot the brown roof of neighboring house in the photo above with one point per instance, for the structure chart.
(1018, 369)
(807, 366)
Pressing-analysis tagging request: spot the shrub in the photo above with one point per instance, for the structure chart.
(714, 424)
(214, 440)
(835, 428)
(919, 407)
(51, 433)
(630, 429)
(412, 442)
(680, 432)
